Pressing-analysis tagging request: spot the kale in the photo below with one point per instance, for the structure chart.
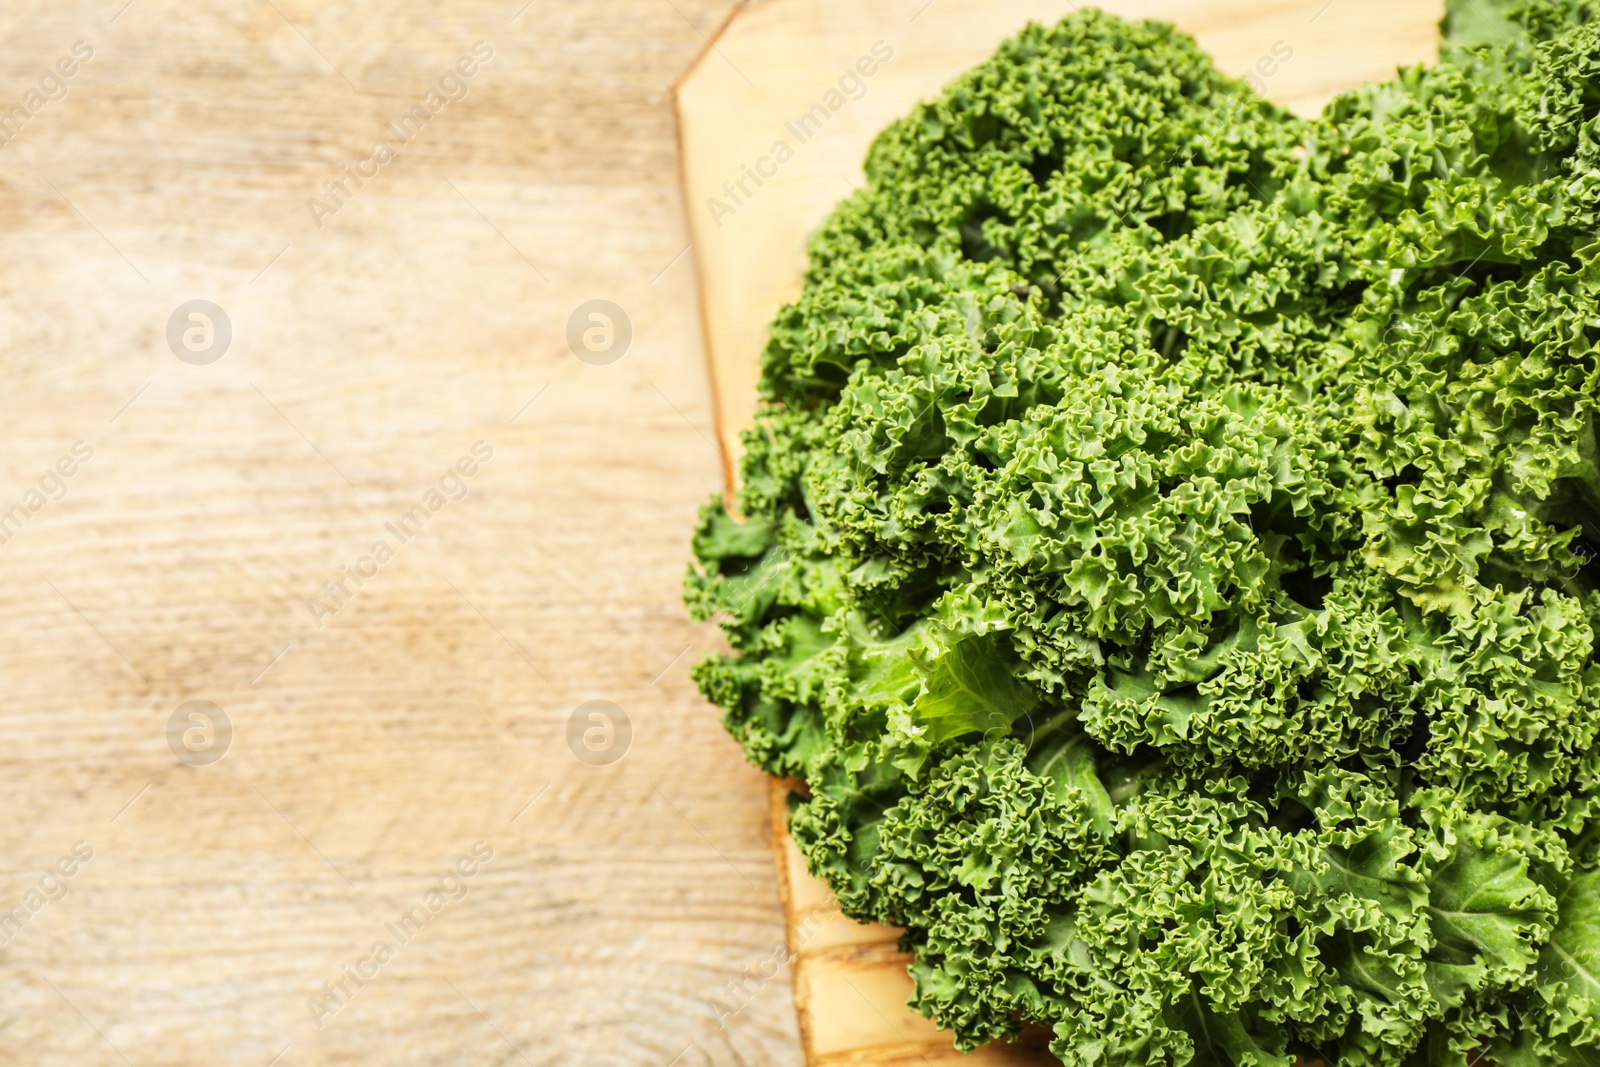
(1163, 549)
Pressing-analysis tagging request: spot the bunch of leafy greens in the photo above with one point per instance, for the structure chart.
(1162, 552)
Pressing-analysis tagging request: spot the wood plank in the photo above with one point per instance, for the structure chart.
(773, 62)
(371, 751)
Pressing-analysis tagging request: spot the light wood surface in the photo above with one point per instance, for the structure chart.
(772, 64)
(367, 356)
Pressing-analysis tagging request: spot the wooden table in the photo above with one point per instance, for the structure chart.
(428, 312)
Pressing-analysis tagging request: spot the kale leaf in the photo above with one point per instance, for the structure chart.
(1164, 551)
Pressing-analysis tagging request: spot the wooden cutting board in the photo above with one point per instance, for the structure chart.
(774, 121)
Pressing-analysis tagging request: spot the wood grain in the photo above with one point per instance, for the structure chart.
(367, 355)
(772, 64)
